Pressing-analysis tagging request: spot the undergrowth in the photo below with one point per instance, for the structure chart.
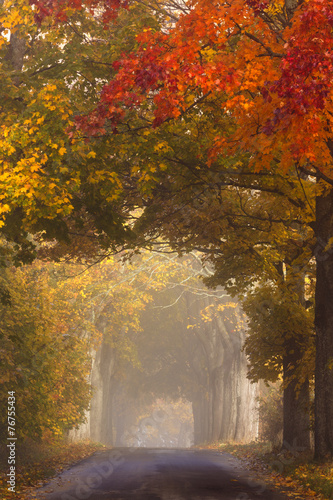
(294, 472)
(301, 467)
(37, 462)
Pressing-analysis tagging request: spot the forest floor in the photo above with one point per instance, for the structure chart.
(38, 462)
(293, 472)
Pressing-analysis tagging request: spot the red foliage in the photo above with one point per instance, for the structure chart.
(307, 68)
(230, 51)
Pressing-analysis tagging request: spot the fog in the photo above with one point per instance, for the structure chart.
(167, 424)
(179, 378)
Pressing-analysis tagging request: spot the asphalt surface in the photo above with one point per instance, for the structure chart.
(157, 474)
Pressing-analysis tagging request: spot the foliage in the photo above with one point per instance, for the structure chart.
(317, 477)
(211, 138)
(293, 473)
(275, 318)
(271, 414)
(52, 183)
(263, 51)
(167, 170)
(45, 365)
(193, 206)
(55, 319)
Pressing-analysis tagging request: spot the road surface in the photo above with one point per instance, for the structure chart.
(157, 474)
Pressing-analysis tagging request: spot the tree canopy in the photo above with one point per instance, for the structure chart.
(207, 124)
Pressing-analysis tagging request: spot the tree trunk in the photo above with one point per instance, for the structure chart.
(296, 397)
(324, 328)
(226, 407)
(201, 419)
(217, 384)
(296, 405)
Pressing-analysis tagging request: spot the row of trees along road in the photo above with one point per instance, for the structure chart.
(134, 331)
(205, 124)
(188, 348)
(53, 318)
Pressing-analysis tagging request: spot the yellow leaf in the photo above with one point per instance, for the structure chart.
(4, 208)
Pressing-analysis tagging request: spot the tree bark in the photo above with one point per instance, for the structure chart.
(217, 389)
(16, 51)
(296, 405)
(201, 419)
(101, 405)
(324, 328)
(296, 397)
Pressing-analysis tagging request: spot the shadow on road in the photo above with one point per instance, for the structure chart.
(157, 474)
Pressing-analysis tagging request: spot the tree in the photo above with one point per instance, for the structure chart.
(54, 319)
(53, 186)
(43, 358)
(191, 69)
(281, 342)
(256, 67)
(189, 347)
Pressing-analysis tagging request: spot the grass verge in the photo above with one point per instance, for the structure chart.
(292, 471)
(36, 463)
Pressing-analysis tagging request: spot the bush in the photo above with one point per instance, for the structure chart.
(271, 415)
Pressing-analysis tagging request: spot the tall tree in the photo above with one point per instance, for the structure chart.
(45, 353)
(189, 346)
(280, 341)
(52, 184)
(249, 79)
(271, 68)
(54, 319)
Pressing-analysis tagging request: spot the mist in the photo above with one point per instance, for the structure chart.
(179, 378)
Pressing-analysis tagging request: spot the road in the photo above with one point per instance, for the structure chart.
(157, 474)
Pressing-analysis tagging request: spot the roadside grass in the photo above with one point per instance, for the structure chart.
(317, 477)
(36, 463)
(293, 471)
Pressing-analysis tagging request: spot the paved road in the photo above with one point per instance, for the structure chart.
(157, 474)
